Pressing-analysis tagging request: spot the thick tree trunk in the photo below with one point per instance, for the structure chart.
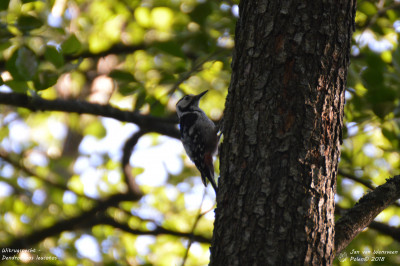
(282, 131)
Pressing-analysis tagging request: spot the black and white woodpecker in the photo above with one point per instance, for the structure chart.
(198, 135)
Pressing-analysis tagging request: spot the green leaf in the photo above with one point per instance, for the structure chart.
(390, 135)
(4, 4)
(5, 34)
(71, 45)
(96, 129)
(171, 47)
(17, 86)
(27, 23)
(140, 99)
(129, 88)
(201, 12)
(381, 109)
(157, 108)
(396, 58)
(28, 1)
(167, 79)
(367, 8)
(45, 79)
(23, 64)
(372, 78)
(4, 45)
(54, 56)
(201, 41)
(122, 76)
(75, 183)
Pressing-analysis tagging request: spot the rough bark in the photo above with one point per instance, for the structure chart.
(282, 131)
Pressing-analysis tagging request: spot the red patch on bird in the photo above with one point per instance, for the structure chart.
(208, 160)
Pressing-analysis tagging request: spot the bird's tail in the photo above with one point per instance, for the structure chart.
(208, 174)
(210, 178)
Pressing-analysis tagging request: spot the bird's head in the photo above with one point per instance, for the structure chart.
(188, 103)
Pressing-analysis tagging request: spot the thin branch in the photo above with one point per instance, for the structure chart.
(90, 218)
(83, 220)
(196, 68)
(12, 183)
(155, 232)
(116, 49)
(198, 217)
(164, 126)
(366, 182)
(385, 229)
(362, 214)
(126, 167)
(30, 172)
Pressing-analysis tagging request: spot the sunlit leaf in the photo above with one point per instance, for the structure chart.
(162, 17)
(76, 184)
(368, 8)
(96, 129)
(142, 16)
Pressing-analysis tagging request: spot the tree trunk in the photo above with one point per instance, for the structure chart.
(282, 132)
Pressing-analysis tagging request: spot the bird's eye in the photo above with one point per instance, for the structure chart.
(186, 97)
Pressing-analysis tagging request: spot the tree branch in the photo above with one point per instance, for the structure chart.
(116, 49)
(157, 231)
(198, 217)
(362, 214)
(385, 229)
(382, 228)
(164, 126)
(90, 218)
(364, 181)
(126, 167)
(30, 172)
(83, 220)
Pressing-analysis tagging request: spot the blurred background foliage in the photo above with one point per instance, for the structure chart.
(143, 56)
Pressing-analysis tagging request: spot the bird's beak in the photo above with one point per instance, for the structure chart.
(200, 95)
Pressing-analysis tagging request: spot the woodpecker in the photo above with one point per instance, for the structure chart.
(198, 135)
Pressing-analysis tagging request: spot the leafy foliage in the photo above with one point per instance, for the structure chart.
(142, 56)
(370, 150)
